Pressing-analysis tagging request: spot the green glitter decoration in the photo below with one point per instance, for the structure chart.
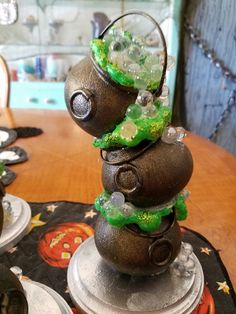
(100, 51)
(2, 167)
(148, 128)
(148, 221)
(181, 208)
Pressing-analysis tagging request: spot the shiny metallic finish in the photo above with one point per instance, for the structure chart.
(151, 178)
(12, 296)
(106, 104)
(42, 299)
(96, 288)
(82, 105)
(133, 252)
(14, 231)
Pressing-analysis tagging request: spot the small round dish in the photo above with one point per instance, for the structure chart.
(13, 155)
(7, 136)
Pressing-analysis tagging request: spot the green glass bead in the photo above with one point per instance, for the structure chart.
(134, 111)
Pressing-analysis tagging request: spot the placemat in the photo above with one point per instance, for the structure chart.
(58, 228)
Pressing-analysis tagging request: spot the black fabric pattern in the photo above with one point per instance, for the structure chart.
(48, 217)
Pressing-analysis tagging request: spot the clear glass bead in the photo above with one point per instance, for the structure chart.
(182, 257)
(181, 133)
(187, 248)
(144, 98)
(185, 193)
(108, 38)
(127, 209)
(117, 45)
(140, 83)
(134, 69)
(165, 102)
(134, 111)
(169, 135)
(115, 32)
(117, 199)
(150, 111)
(139, 40)
(189, 265)
(134, 52)
(150, 61)
(128, 130)
(113, 57)
(155, 72)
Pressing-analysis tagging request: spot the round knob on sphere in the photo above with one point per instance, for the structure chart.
(82, 104)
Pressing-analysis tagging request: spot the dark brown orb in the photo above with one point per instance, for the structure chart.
(153, 177)
(12, 293)
(94, 103)
(133, 252)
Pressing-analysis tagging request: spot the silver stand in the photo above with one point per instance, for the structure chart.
(42, 299)
(17, 226)
(95, 288)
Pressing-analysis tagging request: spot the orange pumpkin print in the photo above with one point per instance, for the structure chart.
(58, 244)
(207, 305)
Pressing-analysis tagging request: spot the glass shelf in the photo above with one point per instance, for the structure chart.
(18, 52)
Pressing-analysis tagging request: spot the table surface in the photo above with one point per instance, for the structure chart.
(63, 165)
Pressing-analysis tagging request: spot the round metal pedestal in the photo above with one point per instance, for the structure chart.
(42, 299)
(96, 288)
(18, 227)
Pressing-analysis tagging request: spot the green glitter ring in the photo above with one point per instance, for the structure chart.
(148, 221)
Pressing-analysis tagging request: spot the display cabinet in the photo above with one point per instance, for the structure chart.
(50, 36)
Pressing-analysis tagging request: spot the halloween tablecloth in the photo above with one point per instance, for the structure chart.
(58, 228)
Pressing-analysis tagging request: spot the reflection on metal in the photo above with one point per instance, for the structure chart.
(42, 299)
(8, 12)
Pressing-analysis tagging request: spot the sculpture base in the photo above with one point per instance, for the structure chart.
(42, 299)
(96, 288)
(15, 229)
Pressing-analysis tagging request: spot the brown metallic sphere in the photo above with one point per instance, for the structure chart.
(133, 252)
(12, 293)
(153, 177)
(95, 104)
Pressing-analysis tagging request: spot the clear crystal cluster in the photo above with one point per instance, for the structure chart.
(184, 264)
(144, 107)
(8, 214)
(172, 135)
(130, 54)
(117, 202)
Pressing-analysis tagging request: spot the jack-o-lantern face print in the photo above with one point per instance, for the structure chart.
(58, 244)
